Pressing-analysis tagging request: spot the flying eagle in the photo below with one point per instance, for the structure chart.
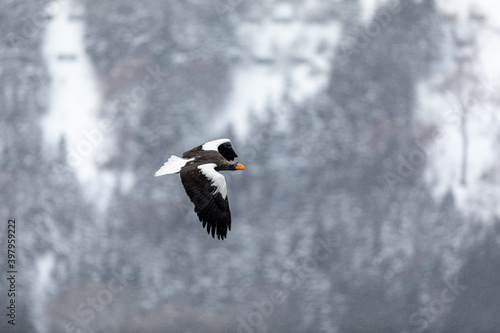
(204, 185)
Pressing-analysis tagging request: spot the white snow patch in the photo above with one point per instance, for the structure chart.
(255, 88)
(478, 196)
(368, 8)
(75, 96)
(43, 286)
(287, 59)
(283, 11)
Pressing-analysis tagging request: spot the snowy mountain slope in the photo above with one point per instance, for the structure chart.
(338, 95)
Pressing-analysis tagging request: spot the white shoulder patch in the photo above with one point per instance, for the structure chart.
(218, 180)
(213, 145)
(173, 165)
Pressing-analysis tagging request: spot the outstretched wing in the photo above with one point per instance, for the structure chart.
(207, 190)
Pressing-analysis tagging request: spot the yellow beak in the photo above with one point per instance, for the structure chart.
(240, 167)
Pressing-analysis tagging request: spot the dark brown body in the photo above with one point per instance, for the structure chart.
(212, 208)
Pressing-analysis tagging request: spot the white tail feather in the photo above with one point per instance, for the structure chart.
(173, 165)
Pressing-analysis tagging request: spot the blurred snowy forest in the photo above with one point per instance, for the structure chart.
(369, 131)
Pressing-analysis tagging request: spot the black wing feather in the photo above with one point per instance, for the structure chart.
(212, 209)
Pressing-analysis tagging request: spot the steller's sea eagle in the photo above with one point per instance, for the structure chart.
(204, 185)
